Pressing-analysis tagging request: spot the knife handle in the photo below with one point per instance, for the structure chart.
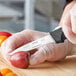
(58, 35)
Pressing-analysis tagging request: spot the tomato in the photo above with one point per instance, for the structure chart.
(19, 59)
(0, 74)
(11, 74)
(2, 39)
(3, 33)
(4, 71)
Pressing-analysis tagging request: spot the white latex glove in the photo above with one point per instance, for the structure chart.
(68, 22)
(49, 52)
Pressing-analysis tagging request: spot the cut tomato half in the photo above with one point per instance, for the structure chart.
(2, 39)
(3, 33)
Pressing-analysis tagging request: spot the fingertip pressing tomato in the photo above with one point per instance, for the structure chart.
(11, 74)
(3, 36)
(19, 59)
(4, 71)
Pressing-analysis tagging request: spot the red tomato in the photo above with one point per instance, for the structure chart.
(19, 59)
(2, 39)
(3, 33)
(0, 74)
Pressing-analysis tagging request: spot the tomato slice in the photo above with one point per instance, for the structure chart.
(11, 74)
(3, 33)
(2, 39)
(0, 74)
(4, 71)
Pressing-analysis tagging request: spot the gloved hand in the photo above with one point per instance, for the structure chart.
(68, 22)
(49, 52)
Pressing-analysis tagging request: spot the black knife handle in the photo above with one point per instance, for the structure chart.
(58, 35)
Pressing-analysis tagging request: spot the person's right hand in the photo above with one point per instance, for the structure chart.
(49, 52)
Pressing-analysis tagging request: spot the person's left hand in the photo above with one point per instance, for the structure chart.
(68, 22)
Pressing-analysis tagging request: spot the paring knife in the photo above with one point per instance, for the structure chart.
(55, 37)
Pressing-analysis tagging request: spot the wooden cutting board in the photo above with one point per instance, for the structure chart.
(66, 67)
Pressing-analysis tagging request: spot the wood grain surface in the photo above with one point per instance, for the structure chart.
(65, 67)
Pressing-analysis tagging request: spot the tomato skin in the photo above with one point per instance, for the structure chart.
(19, 59)
(0, 74)
(3, 33)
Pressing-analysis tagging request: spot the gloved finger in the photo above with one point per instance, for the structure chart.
(16, 41)
(73, 18)
(40, 55)
(37, 58)
(59, 51)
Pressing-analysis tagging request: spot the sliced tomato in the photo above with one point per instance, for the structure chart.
(5, 71)
(2, 39)
(0, 74)
(3, 33)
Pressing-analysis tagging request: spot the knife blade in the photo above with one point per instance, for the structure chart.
(35, 44)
